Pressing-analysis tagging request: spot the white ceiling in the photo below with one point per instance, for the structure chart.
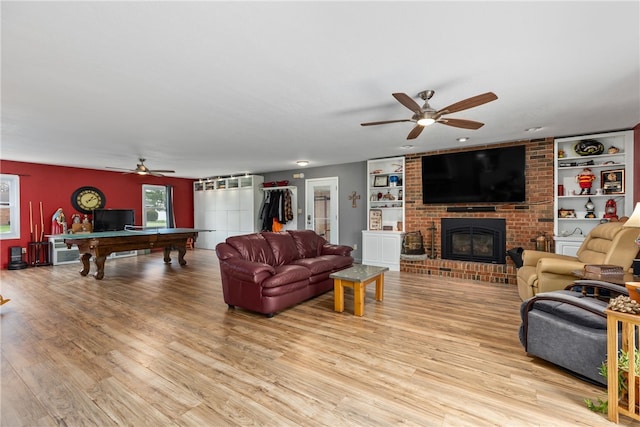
(219, 88)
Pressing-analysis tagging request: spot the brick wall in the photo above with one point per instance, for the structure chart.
(525, 221)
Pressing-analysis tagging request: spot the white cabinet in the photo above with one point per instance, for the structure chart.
(612, 184)
(382, 241)
(382, 248)
(227, 206)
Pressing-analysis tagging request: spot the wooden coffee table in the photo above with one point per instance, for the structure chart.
(357, 278)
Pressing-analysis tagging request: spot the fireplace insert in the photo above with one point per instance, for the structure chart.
(474, 239)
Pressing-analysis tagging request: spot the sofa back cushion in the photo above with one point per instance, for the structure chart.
(309, 243)
(283, 247)
(253, 247)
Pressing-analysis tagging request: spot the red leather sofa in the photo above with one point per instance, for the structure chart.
(268, 272)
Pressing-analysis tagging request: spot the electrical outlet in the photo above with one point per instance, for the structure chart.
(24, 250)
(355, 246)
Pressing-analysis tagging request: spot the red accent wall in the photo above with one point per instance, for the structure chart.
(53, 186)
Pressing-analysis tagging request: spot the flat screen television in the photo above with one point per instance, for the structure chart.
(495, 175)
(112, 219)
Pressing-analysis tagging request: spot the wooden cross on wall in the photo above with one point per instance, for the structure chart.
(353, 197)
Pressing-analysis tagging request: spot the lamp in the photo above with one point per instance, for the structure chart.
(634, 221)
(302, 162)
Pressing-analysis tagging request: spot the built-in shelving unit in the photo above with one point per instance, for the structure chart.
(613, 173)
(382, 241)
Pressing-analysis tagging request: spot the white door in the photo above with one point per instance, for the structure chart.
(322, 207)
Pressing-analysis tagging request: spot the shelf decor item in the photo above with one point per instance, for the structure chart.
(375, 219)
(381, 181)
(589, 147)
(566, 213)
(591, 208)
(612, 181)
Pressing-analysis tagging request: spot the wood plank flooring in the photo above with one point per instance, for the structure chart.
(155, 345)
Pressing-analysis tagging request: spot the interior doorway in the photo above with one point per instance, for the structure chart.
(322, 207)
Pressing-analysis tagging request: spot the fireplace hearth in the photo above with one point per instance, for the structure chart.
(474, 239)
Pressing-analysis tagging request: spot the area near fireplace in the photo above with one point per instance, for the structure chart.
(523, 221)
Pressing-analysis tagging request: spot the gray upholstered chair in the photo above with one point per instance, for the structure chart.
(569, 327)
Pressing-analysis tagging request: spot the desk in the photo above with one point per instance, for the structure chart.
(357, 277)
(101, 244)
(630, 324)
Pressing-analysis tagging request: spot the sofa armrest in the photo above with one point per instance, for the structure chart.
(597, 286)
(329, 249)
(558, 266)
(531, 257)
(247, 271)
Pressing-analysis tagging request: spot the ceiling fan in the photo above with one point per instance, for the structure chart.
(426, 115)
(141, 169)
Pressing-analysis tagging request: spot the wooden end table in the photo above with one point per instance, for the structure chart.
(357, 278)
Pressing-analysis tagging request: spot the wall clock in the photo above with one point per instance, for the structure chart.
(86, 199)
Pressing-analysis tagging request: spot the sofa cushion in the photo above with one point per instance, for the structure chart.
(315, 265)
(253, 247)
(338, 262)
(286, 274)
(283, 247)
(309, 243)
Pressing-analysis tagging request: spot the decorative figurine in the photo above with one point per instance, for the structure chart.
(591, 208)
(585, 180)
(610, 210)
(58, 222)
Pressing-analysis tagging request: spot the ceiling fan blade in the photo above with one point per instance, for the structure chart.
(119, 169)
(461, 123)
(385, 122)
(465, 104)
(406, 100)
(417, 130)
(162, 171)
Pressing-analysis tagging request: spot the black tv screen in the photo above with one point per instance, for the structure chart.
(495, 175)
(112, 219)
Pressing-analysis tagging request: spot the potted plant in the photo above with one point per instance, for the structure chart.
(623, 387)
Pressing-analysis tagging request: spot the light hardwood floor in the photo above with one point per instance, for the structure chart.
(156, 345)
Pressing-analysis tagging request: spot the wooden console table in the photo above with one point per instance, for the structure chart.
(630, 327)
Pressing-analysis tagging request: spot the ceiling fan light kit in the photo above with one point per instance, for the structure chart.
(426, 115)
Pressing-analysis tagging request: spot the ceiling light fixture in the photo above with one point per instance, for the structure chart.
(406, 147)
(462, 139)
(302, 162)
(533, 129)
(426, 120)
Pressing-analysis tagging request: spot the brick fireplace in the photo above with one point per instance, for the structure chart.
(523, 221)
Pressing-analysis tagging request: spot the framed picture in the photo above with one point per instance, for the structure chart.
(381, 181)
(612, 181)
(375, 219)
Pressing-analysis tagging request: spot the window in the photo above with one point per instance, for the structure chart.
(154, 210)
(9, 206)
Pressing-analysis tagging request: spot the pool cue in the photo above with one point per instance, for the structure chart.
(30, 221)
(41, 224)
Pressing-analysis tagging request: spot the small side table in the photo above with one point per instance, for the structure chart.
(357, 278)
(630, 326)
